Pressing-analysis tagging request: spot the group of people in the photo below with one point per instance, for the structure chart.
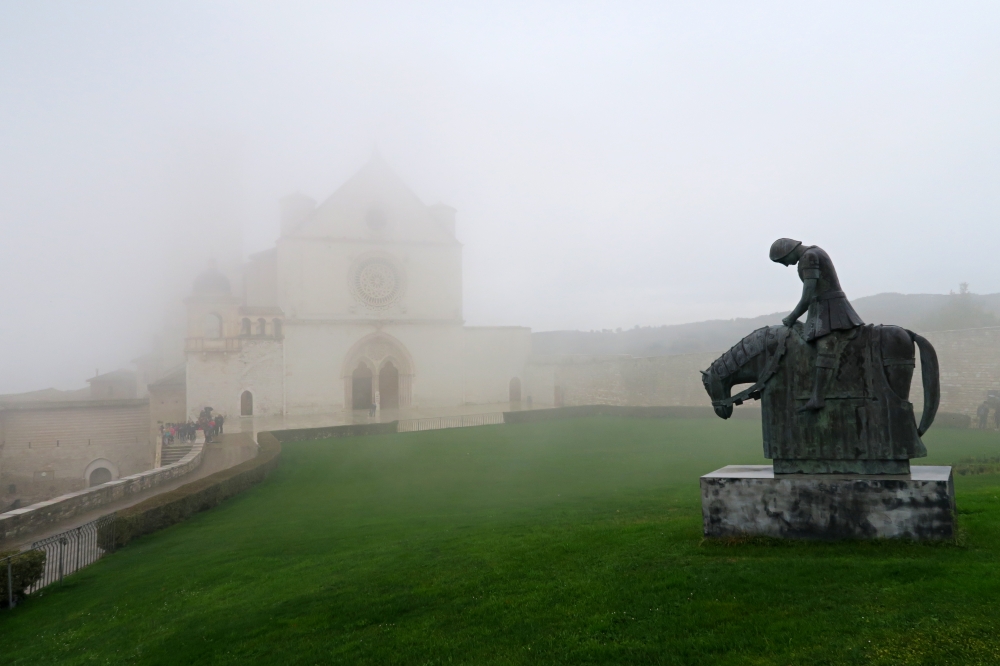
(208, 423)
(983, 413)
(177, 432)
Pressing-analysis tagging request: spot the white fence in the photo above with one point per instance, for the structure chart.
(440, 422)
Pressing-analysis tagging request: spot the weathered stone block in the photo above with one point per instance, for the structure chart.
(749, 500)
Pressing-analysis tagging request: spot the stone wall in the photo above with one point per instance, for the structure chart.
(619, 380)
(969, 360)
(167, 404)
(15, 524)
(970, 366)
(218, 379)
(51, 448)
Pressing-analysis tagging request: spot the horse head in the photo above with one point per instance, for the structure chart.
(744, 363)
(717, 390)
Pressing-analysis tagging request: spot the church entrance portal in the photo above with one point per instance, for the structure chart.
(361, 388)
(388, 386)
(378, 363)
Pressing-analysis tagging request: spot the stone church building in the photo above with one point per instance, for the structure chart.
(360, 297)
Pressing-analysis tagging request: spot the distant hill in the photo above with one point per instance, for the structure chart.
(919, 312)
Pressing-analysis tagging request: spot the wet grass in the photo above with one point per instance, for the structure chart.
(571, 542)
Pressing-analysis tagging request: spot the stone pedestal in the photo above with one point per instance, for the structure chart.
(742, 500)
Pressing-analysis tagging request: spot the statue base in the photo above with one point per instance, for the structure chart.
(801, 466)
(750, 500)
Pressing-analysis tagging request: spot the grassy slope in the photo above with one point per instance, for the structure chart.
(569, 542)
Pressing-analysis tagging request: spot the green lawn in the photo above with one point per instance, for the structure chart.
(570, 542)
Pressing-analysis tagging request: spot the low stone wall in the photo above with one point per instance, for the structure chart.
(356, 430)
(660, 412)
(36, 517)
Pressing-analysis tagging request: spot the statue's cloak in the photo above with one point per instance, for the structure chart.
(863, 420)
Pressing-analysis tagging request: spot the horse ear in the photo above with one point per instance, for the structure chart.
(704, 374)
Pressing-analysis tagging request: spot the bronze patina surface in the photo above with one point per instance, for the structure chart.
(834, 392)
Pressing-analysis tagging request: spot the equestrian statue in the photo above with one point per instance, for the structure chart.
(835, 391)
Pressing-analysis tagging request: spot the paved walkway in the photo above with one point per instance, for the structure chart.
(232, 450)
(257, 424)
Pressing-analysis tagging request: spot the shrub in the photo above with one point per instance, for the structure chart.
(26, 570)
(172, 507)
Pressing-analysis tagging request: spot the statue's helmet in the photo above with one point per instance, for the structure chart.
(783, 247)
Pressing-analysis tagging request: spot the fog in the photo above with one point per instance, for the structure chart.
(612, 164)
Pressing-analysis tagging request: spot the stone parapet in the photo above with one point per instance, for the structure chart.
(750, 500)
(36, 517)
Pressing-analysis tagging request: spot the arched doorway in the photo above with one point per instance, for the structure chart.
(378, 362)
(361, 387)
(515, 389)
(388, 386)
(246, 404)
(99, 476)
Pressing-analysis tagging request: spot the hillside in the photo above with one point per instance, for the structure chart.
(919, 312)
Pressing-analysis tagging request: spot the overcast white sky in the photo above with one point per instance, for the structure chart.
(612, 164)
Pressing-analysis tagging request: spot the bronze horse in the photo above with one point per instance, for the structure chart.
(867, 425)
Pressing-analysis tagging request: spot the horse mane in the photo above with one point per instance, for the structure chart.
(749, 347)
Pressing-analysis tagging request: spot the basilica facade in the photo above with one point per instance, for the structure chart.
(360, 300)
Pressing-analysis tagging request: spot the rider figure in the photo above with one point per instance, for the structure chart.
(827, 306)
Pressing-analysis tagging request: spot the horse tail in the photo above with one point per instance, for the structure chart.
(931, 376)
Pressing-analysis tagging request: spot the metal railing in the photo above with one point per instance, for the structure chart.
(65, 553)
(460, 421)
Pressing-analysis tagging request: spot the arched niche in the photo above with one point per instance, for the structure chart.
(100, 471)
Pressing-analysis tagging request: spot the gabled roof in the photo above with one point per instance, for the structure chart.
(375, 205)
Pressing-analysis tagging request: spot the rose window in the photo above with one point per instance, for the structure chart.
(376, 283)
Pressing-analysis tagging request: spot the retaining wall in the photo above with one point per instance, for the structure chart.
(36, 517)
(302, 434)
(174, 506)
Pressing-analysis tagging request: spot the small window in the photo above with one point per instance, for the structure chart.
(245, 326)
(277, 328)
(261, 326)
(246, 404)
